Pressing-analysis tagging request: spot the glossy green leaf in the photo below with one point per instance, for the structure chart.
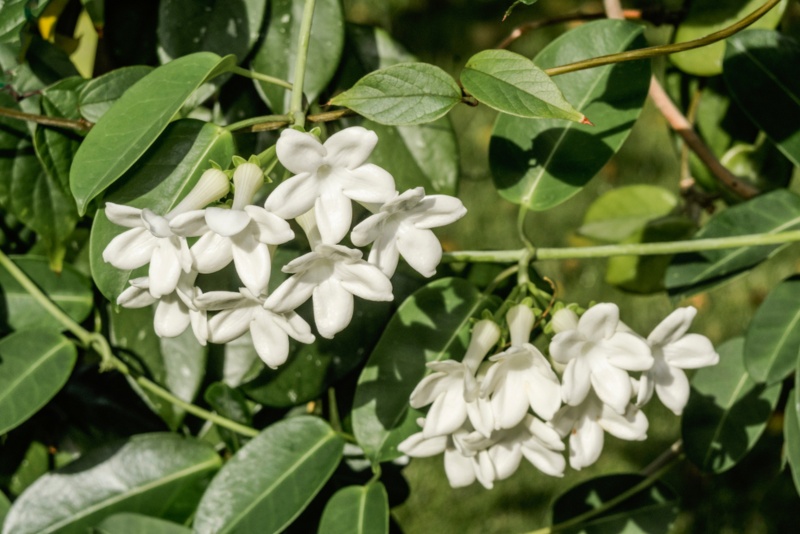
(791, 436)
(651, 511)
(773, 212)
(34, 464)
(163, 176)
(511, 83)
(278, 53)
(153, 474)
(432, 324)
(69, 289)
(14, 14)
(232, 404)
(176, 363)
(727, 411)
(542, 163)
(708, 16)
(136, 120)
(773, 337)
(35, 365)
(622, 211)
(271, 479)
(138, 524)
(229, 27)
(357, 510)
(756, 73)
(403, 94)
(99, 94)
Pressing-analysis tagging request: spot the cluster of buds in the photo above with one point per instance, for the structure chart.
(486, 414)
(328, 177)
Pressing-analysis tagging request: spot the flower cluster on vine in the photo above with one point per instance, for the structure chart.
(485, 415)
(327, 178)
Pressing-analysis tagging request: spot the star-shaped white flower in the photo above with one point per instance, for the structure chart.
(152, 240)
(521, 376)
(402, 227)
(328, 177)
(597, 355)
(241, 234)
(244, 311)
(674, 350)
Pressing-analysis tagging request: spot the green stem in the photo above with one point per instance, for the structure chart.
(523, 212)
(246, 123)
(653, 51)
(632, 249)
(333, 411)
(296, 104)
(261, 77)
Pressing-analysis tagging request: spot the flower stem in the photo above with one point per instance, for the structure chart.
(260, 77)
(296, 103)
(69, 124)
(632, 249)
(246, 123)
(654, 51)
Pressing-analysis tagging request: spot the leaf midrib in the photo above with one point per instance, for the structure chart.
(41, 361)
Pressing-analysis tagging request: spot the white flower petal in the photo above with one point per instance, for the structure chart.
(165, 268)
(349, 148)
(506, 457)
(438, 210)
(460, 469)
(418, 446)
(612, 385)
(585, 444)
(480, 416)
(672, 388)
(673, 327)
(446, 415)
(130, 249)
(227, 222)
(171, 317)
(228, 325)
(520, 321)
(384, 254)
(211, 253)
(576, 381)
(135, 297)
(545, 460)
(297, 328)
(293, 197)
(368, 230)
(334, 213)
(191, 223)
(509, 401)
(646, 388)
(270, 341)
(567, 345)
(599, 322)
(299, 152)
(631, 425)
(272, 230)
(627, 351)
(293, 292)
(199, 322)
(364, 280)
(219, 300)
(122, 215)
(544, 394)
(420, 248)
(692, 351)
(333, 308)
(368, 183)
(252, 262)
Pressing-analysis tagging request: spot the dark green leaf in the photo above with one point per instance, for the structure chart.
(152, 474)
(138, 524)
(773, 337)
(357, 510)
(650, 511)
(278, 53)
(271, 479)
(773, 212)
(622, 211)
(163, 176)
(542, 163)
(756, 73)
(230, 403)
(403, 94)
(229, 27)
(69, 290)
(5, 505)
(34, 365)
(708, 16)
(727, 411)
(511, 83)
(791, 435)
(135, 121)
(99, 94)
(431, 325)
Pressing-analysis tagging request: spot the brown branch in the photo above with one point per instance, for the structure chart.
(69, 124)
(521, 30)
(326, 116)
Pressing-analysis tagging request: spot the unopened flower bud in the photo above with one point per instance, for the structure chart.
(213, 185)
(563, 320)
(247, 179)
(520, 323)
(485, 335)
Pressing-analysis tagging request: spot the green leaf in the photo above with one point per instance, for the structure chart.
(35, 463)
(773, 337)
(432, 324)
(768, 92)
(99, 94)
(230, 403)
(153, 474)
(188, 26)
(278, 53)
(403, 94)
(69, 290)
(35, 365)
(271, 479)
(511, 83)
(727, 411)
(163, 176)
(135, 121)
(622, 211)
(515, 4)
(138, 524)
(5, 505)
(176, 363)
(357, 510)
(650, 511)
(12, 19)
(542, 163)
(791, 436)
(773, 212)
(708, 16)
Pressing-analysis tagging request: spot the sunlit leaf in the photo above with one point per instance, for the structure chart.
(99, 94)
(624, 210)
(138, 524)
(357, 510)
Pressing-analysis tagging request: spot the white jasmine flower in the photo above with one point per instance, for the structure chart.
(521, 377)
(331, 275)
(175, 311)
(245, 311)
(151, 239)
(585, 423)
(597, 355)
(402, 227)
(539, 443)
(674, 350)
(241, 234)
(328, 177)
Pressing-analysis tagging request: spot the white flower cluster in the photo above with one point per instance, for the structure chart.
(480, 414)
(327, 177)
